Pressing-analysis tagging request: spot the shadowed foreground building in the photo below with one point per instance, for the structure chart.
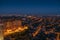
(1, 31)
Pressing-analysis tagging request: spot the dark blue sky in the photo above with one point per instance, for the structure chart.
(42, 7)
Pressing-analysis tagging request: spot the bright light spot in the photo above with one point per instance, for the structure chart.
(19, 29)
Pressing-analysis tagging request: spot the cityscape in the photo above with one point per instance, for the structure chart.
(29, 19)
(29, 27)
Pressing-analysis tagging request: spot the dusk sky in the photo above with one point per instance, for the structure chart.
(38, 7)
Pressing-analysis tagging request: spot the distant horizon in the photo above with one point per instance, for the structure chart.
(13, 14)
